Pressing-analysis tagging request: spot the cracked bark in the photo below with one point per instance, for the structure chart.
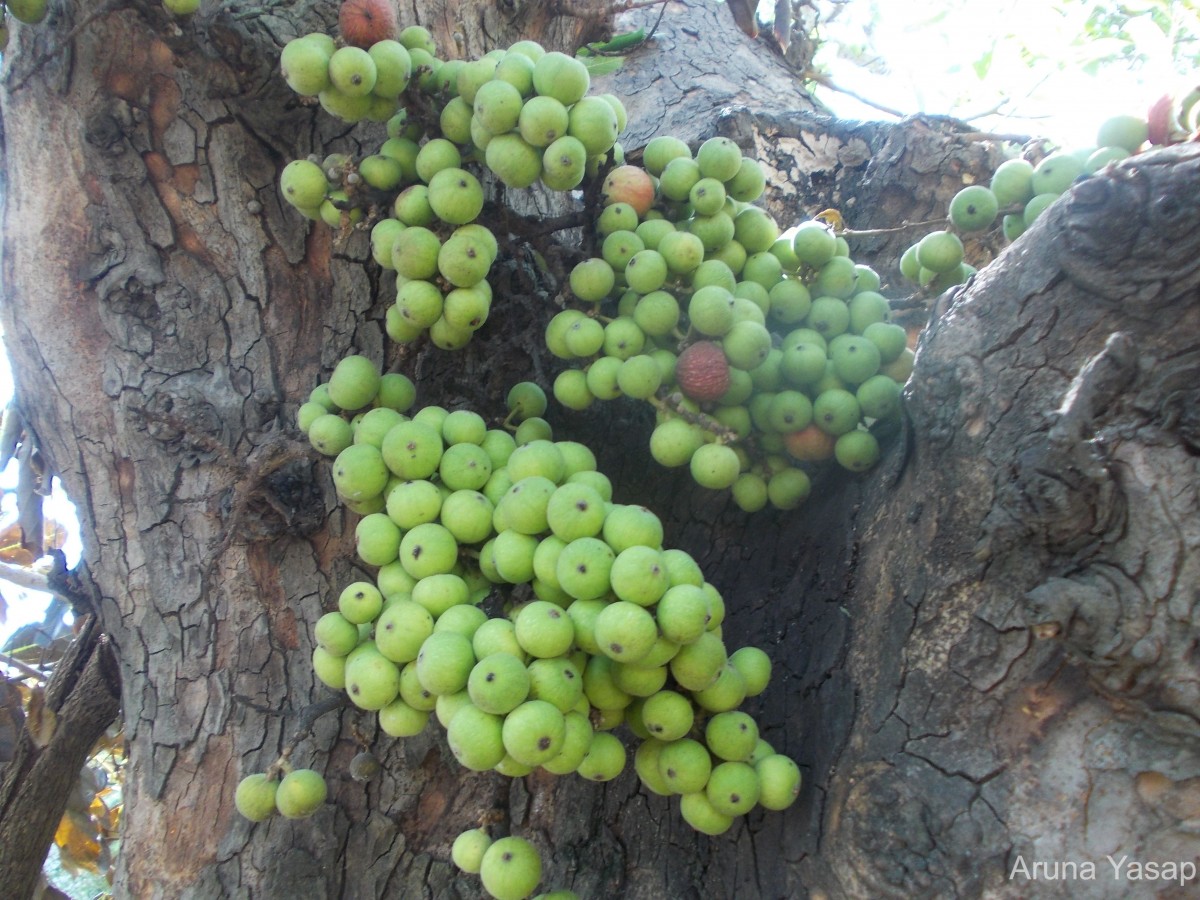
(982, 649)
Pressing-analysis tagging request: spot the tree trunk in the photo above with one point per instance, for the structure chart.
(982, 648)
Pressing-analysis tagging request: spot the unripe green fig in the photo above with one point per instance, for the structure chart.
(352, 71)
(564, 163)
(354, 382)
(381, 172)
(300, 793)
(255, 797)
(344, 106)
(779, 781)
(416, 37)
(304, 64)
(455, 195)
(465, 259)
(591, 280)
(562, 77)
(542, 121)
(1054, 174)
(393, 68)
(813, 243)
(514, 161)
(1037, 205)
(748, 183)
(330, 434)
(412, 205)
(973, 208)
(1124, 131)
(473, 76)
(594, 122)
(517, 70)
(510, 868)
(181, 7)
(383, 238)
(30, 12)
(468, 849)
(940, 251)
(719, 158)
(715, 466)
(1102, 157)
(498, 106)
(678, 178)
(857, 450)
(436, 155)
(372, 680)
(661, 150)
(1012, 182)
(303, 184)
(404, 151)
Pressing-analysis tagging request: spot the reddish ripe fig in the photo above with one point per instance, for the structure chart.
(629, 184)
(1160, 121)
(366, 22)
(702, 371)
(810, 444)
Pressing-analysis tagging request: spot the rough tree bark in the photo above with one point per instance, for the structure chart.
(983, 649)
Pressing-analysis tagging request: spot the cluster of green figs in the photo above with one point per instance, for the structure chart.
(1019, 192)
(542, 625)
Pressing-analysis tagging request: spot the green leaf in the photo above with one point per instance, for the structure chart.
(602, 65)
(619, 42)
(983, 65)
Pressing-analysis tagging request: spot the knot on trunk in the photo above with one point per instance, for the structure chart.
(1130, 232)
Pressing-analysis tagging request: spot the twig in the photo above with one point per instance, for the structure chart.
(673, 403)
(103, 9)
(24, 668)
(531, 226)
(904, 226)
(27, 578)
(995, 136)
(657, 22)
(626, 5)
(314, 711)
(825, 81)
(308, 718)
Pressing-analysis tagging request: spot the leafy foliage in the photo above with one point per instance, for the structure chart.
(1140, 33)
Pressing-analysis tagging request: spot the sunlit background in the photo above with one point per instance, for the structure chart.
(19, 606)
(1046, 68)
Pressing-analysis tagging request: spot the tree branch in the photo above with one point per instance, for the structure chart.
(85, 694)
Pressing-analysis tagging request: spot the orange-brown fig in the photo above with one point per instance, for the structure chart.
(366, 22)
(809, 444)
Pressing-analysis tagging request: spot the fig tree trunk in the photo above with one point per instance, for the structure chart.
(984, 649)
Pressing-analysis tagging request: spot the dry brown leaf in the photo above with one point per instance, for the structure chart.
(78, 843)
(106, 817)
(743, 15)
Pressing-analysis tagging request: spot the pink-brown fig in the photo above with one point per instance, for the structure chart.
(629, 184)
(702, 371)
(1160, 120)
